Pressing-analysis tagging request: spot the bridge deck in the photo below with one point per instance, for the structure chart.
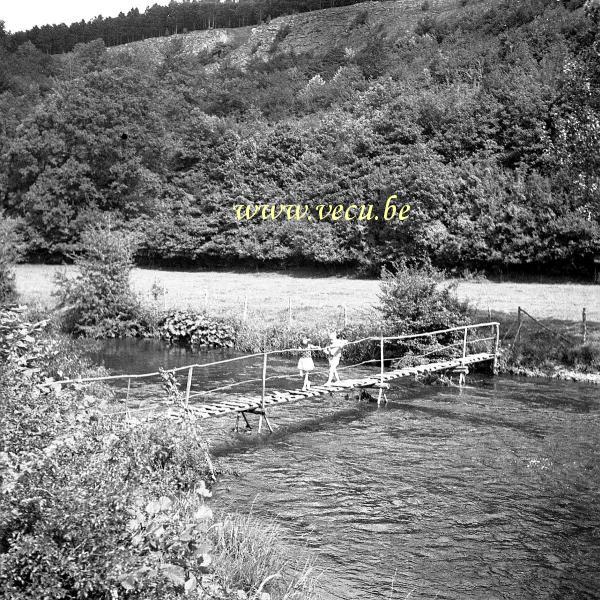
(238, 405)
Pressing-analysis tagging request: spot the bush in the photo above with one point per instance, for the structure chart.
(87, 520)
(11, 250)
(193, 329)
(417, 300)
(99, 301)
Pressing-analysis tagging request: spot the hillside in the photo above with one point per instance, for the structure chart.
(482, 117)
(315, 32)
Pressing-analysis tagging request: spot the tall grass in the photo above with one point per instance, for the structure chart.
(537, 348)
(250, 555)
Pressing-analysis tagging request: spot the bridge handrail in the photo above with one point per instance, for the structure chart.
(464, 328)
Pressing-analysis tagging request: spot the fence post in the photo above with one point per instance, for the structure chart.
(264, 386)
(519, 324)
(290, 311)
(188, 386)
(584, 325)
(465, 343)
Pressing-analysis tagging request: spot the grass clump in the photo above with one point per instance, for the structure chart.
(250, 555)
(583, 357)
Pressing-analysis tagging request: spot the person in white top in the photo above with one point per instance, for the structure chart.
(334, 354)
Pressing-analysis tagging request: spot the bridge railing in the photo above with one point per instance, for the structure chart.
(460, 349)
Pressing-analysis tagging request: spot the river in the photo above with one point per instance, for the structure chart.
(490, 491)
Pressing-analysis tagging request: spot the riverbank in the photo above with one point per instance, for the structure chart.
(559, 373)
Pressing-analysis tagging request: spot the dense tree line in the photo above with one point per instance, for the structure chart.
(159, 20)
(487, 123)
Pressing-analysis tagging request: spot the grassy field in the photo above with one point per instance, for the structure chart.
(314, 299)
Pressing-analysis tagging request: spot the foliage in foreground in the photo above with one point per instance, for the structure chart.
(96, 507)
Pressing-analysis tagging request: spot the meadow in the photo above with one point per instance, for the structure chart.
(313, 298)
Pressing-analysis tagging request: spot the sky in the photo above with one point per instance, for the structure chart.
(19, 15)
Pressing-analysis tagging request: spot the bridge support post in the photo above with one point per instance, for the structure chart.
(263, 413)
(381, 395)
(237, 421)
(496, 348)
(188, 386)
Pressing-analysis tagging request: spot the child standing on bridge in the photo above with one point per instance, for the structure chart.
(334, 354)
(306, 364)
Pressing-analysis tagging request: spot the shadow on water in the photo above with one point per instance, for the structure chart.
(469, 418)
(248, 439)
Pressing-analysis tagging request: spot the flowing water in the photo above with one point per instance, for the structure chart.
(492, 491)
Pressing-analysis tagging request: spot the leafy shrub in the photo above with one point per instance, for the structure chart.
(193, 329)
(99, 301)
(417, 300)
(19, 339)
(11, 250)
(80, 525)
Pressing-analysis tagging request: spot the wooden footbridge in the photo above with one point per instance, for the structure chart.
(452, 357)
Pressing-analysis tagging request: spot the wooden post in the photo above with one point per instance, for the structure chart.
(189, 386)
(465, 343)
(496, 348)
(264, 387)
(127, 397)
(290, 311)
(245, 313)
(519, 324)
(489, 314)
(205, 299)
(382, 367)
(584, 325)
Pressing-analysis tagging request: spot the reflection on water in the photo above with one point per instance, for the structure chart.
(488, 492)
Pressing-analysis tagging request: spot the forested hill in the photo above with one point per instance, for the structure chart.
(485, 117)
(165, 20)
